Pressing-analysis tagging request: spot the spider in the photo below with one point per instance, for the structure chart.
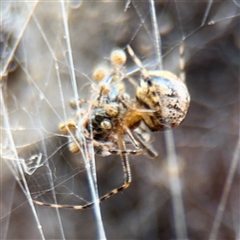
(161, 103)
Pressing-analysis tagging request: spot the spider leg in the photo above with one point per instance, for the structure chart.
(136, 151)
(182, 61)
(113, 147)
(126, 171)
(137, 61)
(126, 183)
(147, 147)
(132, 138)
(127, 151)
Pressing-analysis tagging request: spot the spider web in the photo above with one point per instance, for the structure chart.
(48, 53)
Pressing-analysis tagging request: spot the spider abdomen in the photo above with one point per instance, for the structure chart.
(168, 98)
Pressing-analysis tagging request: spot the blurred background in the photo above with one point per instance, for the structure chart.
(38, 40)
